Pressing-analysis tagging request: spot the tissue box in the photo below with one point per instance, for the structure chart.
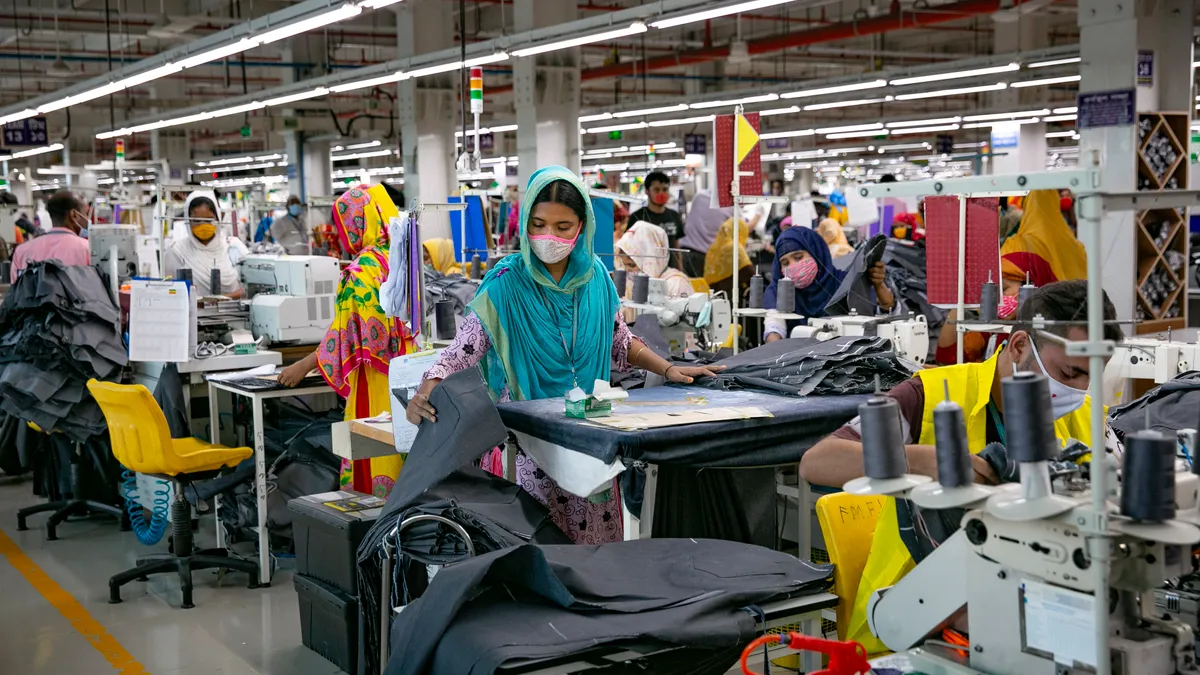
(588, 407)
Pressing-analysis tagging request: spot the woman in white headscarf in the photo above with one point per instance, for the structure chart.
(643, 248)
(203, 249)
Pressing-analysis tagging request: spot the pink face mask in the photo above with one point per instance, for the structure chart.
(802, 273)
(551, 249)
(1008, 307)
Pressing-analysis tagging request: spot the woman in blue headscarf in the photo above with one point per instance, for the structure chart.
(543, 322)
(802, 255)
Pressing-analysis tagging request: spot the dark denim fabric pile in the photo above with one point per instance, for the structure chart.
(807, 367)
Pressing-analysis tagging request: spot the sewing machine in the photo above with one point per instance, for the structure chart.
(1158, 360)
(292, 297)
(707, 318)
(1021, 565)
(909, 333)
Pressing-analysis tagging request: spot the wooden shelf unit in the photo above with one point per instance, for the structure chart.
(1162, 235)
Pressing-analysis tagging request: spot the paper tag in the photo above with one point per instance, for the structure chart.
(405, 373)
(1060, 622)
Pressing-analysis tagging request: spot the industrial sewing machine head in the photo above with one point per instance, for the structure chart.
(292, 297)
(909, 333)
(705, 317)
(1024, 567)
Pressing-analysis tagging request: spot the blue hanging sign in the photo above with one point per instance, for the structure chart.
(1106, 109)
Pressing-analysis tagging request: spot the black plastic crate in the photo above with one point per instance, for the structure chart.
(328, 622)
(327, 538)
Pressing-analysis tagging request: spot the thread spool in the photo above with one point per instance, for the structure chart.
(641, 288)
(989, 300)
(950, 438)
(5, 270)
(443, 314)
(1148, 479)
(619, 280)
(475, 265)
(1029, 418)
(214, 281)
(183, 274)
(1025, 292)
(756, 291)
(785, 297)
(882, 439)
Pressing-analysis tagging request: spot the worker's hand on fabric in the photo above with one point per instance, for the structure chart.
(688, 374)
(291, 376)
(876, 274)
(419, 408)
(984, 473)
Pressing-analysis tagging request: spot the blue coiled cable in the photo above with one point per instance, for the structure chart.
(148, 533)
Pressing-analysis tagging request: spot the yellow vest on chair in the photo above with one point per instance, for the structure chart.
(971, 387)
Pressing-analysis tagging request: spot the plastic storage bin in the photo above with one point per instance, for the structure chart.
(327, 535)
(328, 622)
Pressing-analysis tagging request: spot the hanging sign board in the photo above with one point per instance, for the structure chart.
(26, 132)
(1145, 68)
(1106, 109)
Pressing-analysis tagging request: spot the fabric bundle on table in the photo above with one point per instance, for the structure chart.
(1168, 407)
(539, 602)
(59, 327)
(808, 367)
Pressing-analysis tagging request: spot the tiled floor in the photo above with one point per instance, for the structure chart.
(231, 631)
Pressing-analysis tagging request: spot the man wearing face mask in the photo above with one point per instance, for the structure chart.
(658, 189)
(290, 231)
(68, 218)
(904, 535)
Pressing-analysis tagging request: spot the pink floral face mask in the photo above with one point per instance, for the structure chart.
(1008, 307)
(551, 249)
(802, 273)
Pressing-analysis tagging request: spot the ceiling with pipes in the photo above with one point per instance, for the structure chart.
(50, 44)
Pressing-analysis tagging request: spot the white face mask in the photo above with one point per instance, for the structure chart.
(1063, 399)
(551, 249)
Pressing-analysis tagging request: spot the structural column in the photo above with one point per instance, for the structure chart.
(1018, 146)
(427, 111)
(1111, 36)
(315, 169)
(546, 92)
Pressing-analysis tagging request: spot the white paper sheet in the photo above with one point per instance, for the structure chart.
(1060, 621)
(803, 213)
(159, 321)
(405, 373)
(581, 475)
(260, 371)
(862, 210)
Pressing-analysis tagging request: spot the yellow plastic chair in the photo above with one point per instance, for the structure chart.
(848, 525)
(142, 442)
(699, 285)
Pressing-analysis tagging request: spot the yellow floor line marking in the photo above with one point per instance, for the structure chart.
(70, 609)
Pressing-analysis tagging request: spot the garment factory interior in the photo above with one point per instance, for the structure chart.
(532, 337)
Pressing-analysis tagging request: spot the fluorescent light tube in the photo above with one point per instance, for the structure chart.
(292, 98)
(218, 53)
(484, 60)
(787, 134)
(110, 88)
(113, 134)
(924, 130)
(1059, 134)
(24, 114)
(502, 128)
(360, 146)
(838, 89)
(312, 23)
(37, 151)
(150, 75)
(1066, 111)
(1006, 116)
(264, 158)
(844, 104)
(371, 82)
(1007, 68)
(851, 127)
(951, 92)
(858, 134)
(596, 118)
(617, 127)
(376, 4)
(1059, 118)
(247, 107)
(1045, 81)
(685, 120)
(749, 6)
(432, 70)
(997, 123)
(1056, 62)
(651, 111)
(359, 155)
(632, 29)
(924, 123)
(226, 160)
(902, 146)
(779, 111)
(762, 98)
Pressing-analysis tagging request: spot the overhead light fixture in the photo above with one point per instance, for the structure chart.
(955, 75)
(762, 98)
(851, 127)
(683, 121)
(221, 52)
(951, 92)
(617, 127)
(237, 109)
(37, 151)
(999, 123)
(1060, 118)
(858, 134)
(779, 111)
(838, 89)
(377, 4)
(359, 155)
(346, 11)
(787, 134)
(651, 111)
(150, 75)
(1060, 134)
(925, 130)
(226, 160)
(370, 82)
(632, 29)
(487, 59)
(596, 118)
(361, 146)
(502, 128)
(1006, 115)
(1045, 81)
(24, 114)
(707, 14)
(1066, 111)
(1056, 62)
(453, 66)
(902, 146)
(292, 98)
(110, 88)
(923, 123)
(844, 104)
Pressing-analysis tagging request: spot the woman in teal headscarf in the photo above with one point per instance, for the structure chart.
(542, 323)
